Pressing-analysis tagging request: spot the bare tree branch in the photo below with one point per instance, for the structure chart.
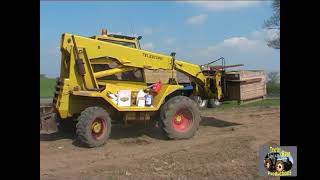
(274, 23)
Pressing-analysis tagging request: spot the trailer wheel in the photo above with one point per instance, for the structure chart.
(280, 166)
(202, 103)
(93, 127)
(180, 117)
(213, 103)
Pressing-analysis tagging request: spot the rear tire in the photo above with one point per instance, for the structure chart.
(268, 164)
(180, 117)
(93, 127)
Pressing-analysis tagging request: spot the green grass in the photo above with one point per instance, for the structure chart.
(47, 91)
(273, 88)
(47, 87)
(263, 103)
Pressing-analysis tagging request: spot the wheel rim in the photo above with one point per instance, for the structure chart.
(182, 120)
(280, 167)
(98, 128)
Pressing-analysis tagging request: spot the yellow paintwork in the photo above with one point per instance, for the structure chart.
(218, 85)
(112, 71)
(96, 127)
(158, 99)
(116, 39)
(93, 52)
(178, 118)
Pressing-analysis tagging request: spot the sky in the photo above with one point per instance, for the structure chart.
(198, 32)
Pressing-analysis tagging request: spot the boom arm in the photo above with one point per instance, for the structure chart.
(195, 74)
(92, 51)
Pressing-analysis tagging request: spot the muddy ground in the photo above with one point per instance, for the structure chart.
(225, 147)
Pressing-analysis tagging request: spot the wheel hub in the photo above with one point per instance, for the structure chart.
(178, 119)
(96, 127)
(182, 121)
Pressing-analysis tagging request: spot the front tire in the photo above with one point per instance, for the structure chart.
(280, 166)
(93, 127)
(180, 117)
(288, 166)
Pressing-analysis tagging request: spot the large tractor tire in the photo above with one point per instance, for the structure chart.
(280, 166)
(268, 164)
(180, 117)
(288, 166)
(93, 127)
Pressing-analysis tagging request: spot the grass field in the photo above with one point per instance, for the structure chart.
(263, 103)
(47, 91)
(47, 87)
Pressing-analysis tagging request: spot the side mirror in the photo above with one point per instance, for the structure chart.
(139, 37)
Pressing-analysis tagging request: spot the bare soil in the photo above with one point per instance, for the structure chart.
(226, 146)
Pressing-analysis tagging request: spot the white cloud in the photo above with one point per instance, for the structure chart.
(256, 34)
(169, 41)
(199, 19)
(265, 34)
(148, 46)
(237, 44)
(147, 31)
(250, 50)
(272, 34)
(223, 5)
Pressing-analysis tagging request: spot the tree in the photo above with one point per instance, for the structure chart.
(273, 78)
(273, 85)
(273, 23)
(42, 75)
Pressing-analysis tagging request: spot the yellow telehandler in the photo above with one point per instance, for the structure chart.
(102, 80)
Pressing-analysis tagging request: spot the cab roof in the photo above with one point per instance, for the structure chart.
(121, 36)
(116, 36)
